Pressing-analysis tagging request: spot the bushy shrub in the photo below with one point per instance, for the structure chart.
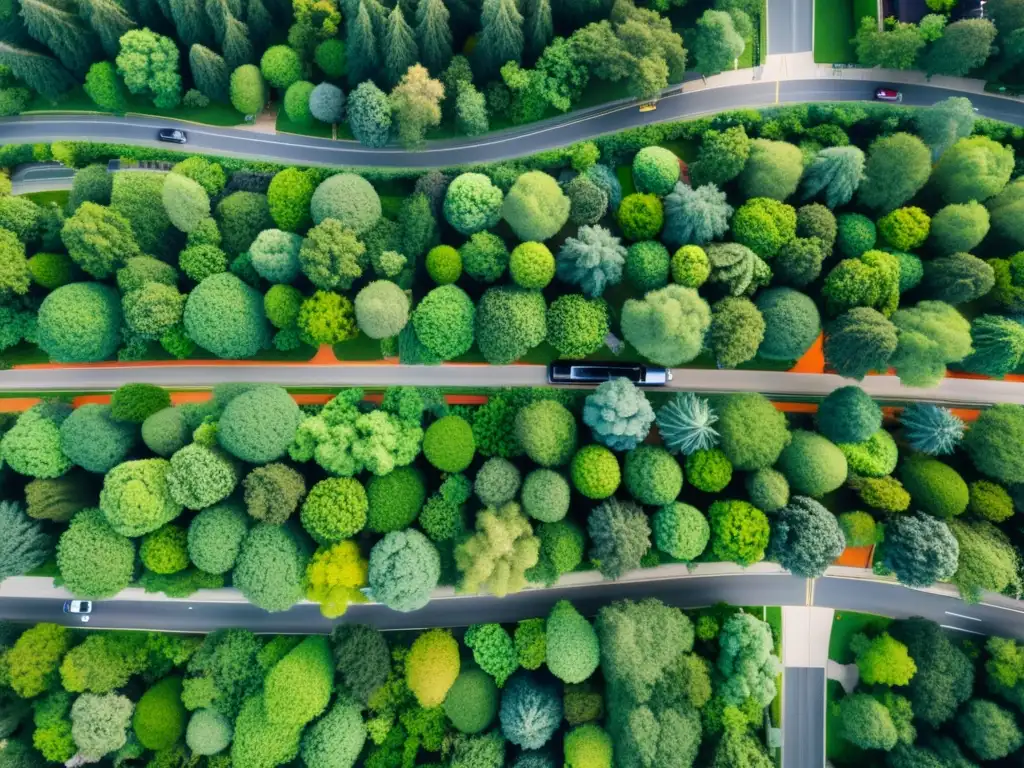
(33, 445)
(561, 551)
(510, 321)
(208, 732)
(51, 270)
(990, 501)
(546, 430)
(335, 509)
(273, 492)
(394, 499)
(327, 101)
(382, 309)
(444, 321)
(198, 262)
(93, 440)
(535, 207)
(530, 640)
(165, 550)
(595, 472)
(259, 741)
(652, 476)
(859, 528)
(764, 225)
(296, 102)
(94, 561)
(991, 440)
(200, 476)
(326, 318)
(448, 444)
(708, 470)
(271, 567)
(275, 255)
(739, 532)
(79, 323)
(531, 265)
(577, 326)
(856, 234)
(215, 537)
(618, 414)
(874, 457)
(404, 569)
(497, 482)
(620, 536)
(432, 666)
(484, 257)
(499, 554)
(849, 415)
(545, 495)
(860, 341)
(957, 278)
(934, 487)
(259, 425)
(588, 746)
(444, 265)
(752, 432)
(690, 266)
(472, 203)
(668, 326)
(681, 531)
(806, 537)
(812, 464)
(573, 653)
(348, 199)
(792, 323)
(241, 216)
(493, 650)
(159, 718)
(773, 169)
(472, 702)
(655, 170)
(225, 316)
(905, 229)
(641, 216)
(647, 265)
(136, 497)
(768, 489)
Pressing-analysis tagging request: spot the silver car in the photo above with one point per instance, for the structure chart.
(584, 372)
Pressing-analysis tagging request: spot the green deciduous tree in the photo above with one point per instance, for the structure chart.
(931, 335)
(897, 167)
(963, 46)
(721, 156)
(416, 104)
(104, 88)
(920, 550)
(98, 239)
(941, 124)
(882, 660)
(62, 31)
(248, 90)
(897, 47)
(773, 169)
(148, 62)
(370, 115)
(975, 168)
(716, 43)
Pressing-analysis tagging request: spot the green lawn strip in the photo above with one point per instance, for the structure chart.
(846, 624)
(833, 28)
(773, 615)
(316, 128)
(59, 196)
(76, 100)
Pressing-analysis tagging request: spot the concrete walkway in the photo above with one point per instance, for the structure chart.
(847, 675)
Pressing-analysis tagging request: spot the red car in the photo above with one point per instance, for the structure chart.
(888, 94)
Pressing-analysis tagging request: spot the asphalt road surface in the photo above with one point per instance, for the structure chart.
(790, 26)
(803, 717)
(777, 384)
(576, 126)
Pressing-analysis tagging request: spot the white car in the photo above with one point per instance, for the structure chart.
(79, 607)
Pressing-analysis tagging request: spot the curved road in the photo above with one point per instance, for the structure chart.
(576, 126)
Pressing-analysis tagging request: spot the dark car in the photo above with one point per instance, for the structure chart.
(583, 372)
(888, 94)
(172, 135)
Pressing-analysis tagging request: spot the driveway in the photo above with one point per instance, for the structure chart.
(790, 26)
(803, 717)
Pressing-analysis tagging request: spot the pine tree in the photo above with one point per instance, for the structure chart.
(42, 73)
(539, 27)
(501, 36)
(400, 51)
(259, 22)
(210, 73)
(108, 20)
(190, 21)
(149, 13)
(363, 57)
(433, 35)
(237, 47)
(217, 12)
(62, 32)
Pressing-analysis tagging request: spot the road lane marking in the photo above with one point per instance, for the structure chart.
(1001, 607)
(961, 629)
(777, 84)
(961, 616)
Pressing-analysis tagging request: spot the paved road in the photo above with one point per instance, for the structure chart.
(790, 26)
(803, 717)
(106, 377)
(518, 142)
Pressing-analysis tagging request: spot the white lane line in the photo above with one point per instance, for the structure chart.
(1001, 607)
(961, 629)
(961, 616)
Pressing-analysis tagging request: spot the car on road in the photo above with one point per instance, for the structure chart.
(583, 372)
(888, 94)
(79, 608)
(172, 135)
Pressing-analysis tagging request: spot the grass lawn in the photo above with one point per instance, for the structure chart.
(77, 101)
(835, 22)
(60, 197)
(773, 615)
(317, 129)
(846, 624)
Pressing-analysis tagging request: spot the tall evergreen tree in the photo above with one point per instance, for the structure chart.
(62, 32)
(217, 13)
(361, 47)
(191, 23)
(25, 544)
(210, 73)
(42, 73)
(237, 46)
(539, 27)
(149, 13)
(433, 35)
(400, 50)
(259, 21)
(108, 20)
(501, 37)
(379, 17)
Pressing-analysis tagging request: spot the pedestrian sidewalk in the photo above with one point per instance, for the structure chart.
(805, 636)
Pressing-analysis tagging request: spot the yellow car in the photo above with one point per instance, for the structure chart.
(649, 107)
